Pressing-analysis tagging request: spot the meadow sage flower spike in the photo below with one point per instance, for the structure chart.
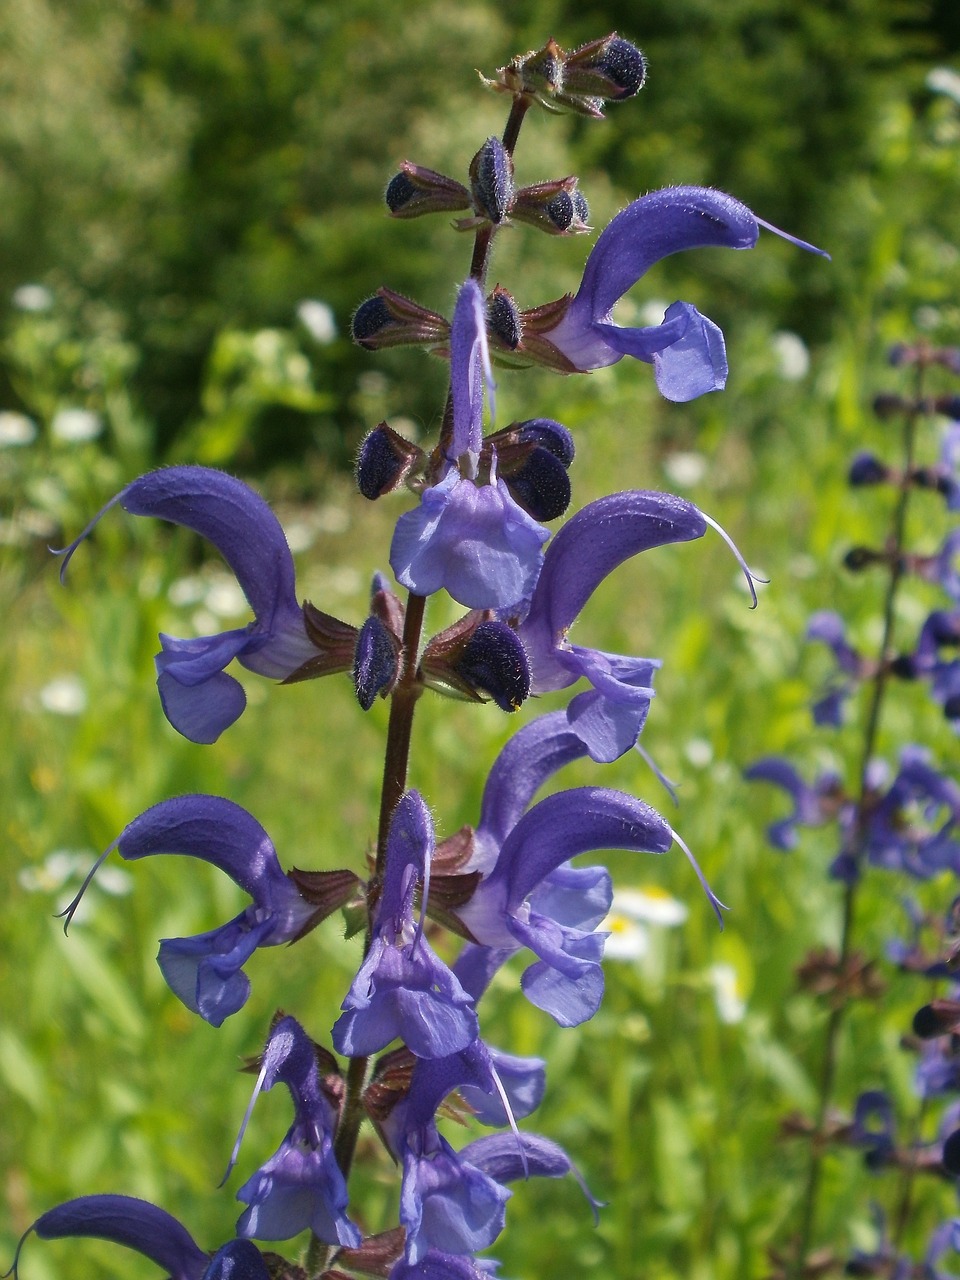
(199, 699)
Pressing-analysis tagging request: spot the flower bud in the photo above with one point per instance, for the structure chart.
(415, 191)
(951, 1154)
(390, 320)
(477, 656)
(376, 663)
(532, 458)
(867, 469)
(384, 461)
(611, 68)
(491, 181)
(503, 319)
(557, 207)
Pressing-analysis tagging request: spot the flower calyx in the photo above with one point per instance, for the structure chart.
(328, 891)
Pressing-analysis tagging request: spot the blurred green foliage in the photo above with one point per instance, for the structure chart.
(172, 169)
(179, 176)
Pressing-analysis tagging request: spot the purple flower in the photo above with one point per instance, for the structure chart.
(139, 1225)
(829, 628)
(609, 717)
(301, 1185)
(911, 827)
(453, 1202)
(529, 895)
(468, 535)
(686, 349)
(206, 971)
(812, 805)
(403, 989)
(198, 698)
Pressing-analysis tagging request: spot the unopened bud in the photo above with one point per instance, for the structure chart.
(384, 461)
(867, 469)
(376, 664)
(951, 1154)
(532, 460)
(503, 319)
(556, 207)
(415, 191)
(477, 656)
(611, 68)
(389, 319)
(938, 1018)
(491, 181)
(888, 403)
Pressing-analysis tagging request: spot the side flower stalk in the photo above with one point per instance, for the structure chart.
(904, 820)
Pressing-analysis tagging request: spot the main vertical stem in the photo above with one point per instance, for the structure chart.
(403, 703)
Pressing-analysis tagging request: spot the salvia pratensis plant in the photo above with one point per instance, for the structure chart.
(407, 1042)
(901, 817)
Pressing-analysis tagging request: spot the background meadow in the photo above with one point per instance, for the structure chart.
(179, 179)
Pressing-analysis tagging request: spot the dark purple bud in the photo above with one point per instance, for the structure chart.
(478, 656)
(900, 354)
(938, 1018)
(557, 207)
(859, 558)
(951, 707)
(903, 667)
(415, 191)
(389, 319)
(532, 458)
(951, 1154)
(503, 319)
(549, 434)
(384, 461)
(867, 469)
(491, 181)
(540, 485)
(888, 403)
(377, 662)
(948, 405)
(370, 319)
(610, 68)
(949, 358)
(494, 662)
